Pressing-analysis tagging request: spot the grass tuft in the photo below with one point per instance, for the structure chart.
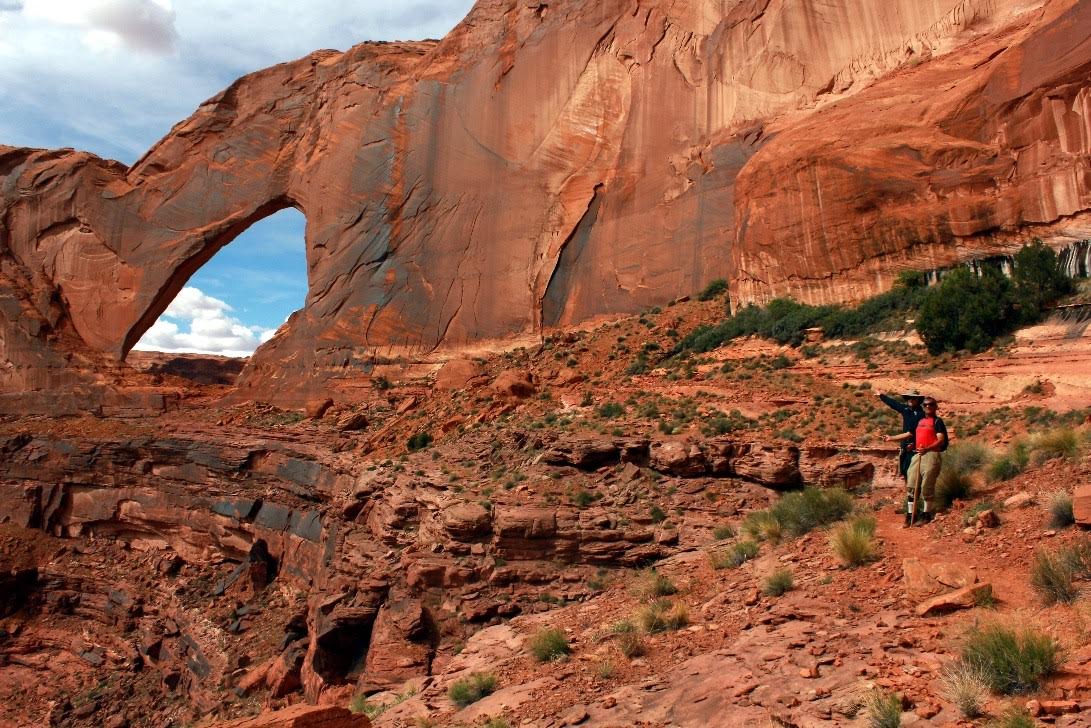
(883, 710)
(1060, 510)
(739, 553)
(1014, 717)
(723, 533)
(652, 585)
(1053, 577)
(763, 526)
(471, 689)
(1053, 444)
(778, 583)
(853, 542)
(1011, 661)
(662, 615)
(550, 644)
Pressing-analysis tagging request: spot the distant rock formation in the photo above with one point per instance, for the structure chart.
(548, 162)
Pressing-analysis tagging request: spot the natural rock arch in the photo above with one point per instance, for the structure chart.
(545, 164)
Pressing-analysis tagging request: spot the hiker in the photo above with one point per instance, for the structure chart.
(911, 413)
(930, 440)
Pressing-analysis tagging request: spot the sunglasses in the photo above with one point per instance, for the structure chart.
(930, 404)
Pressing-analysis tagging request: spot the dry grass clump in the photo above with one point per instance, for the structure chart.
(965, 686)
(1060, 510)
(1014, 717)
(652, 585)
(1060, 443)
(1010, 464)
(883, 710)
(853, 542)
(662, 615)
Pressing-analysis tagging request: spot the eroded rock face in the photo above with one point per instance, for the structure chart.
(548, 162)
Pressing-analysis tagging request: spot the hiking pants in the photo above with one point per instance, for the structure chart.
(924, 470)
(904, 458)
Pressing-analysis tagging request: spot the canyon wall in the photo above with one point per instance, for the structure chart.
(549, 162)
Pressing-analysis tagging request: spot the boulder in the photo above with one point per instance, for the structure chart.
(964, 598)
(316, 409)
(457, 374)
(1019, 500)
(1081, 505)
(467, 521)
(677, 458)
(514, 383)
(775, 466)
(352, 422)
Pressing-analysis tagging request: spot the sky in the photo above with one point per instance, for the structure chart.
(113, 76)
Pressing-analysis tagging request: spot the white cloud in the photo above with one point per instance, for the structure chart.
(211, 328)
(141, 25)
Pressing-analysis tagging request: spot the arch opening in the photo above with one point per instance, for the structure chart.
(232, 300)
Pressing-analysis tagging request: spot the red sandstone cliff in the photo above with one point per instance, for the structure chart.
(547, 162)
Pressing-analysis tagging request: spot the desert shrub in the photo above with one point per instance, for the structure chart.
(1053, 578)
(583, 498)
(802, 511)
(1010, 464)
(471, 689)
(662, 615)
(966, 457)
(657, 514)
(652, 585)
(966, 311)
(1059, 443)
(883, 710)
(712, 290)
(966, 688)
(723, 532)
(853, 542)
(631, 644)
(1038, 280)
(610, 410)
(1011, 661)
(1060, 510)
(778, 583)
(549, 644)
(739, 553)
(419, 441)
(1014, 716)
(762, 526)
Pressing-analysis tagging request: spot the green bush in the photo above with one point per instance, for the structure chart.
(1011, 661)
(1038, 280)
(610, 410)
(802, 511)
(471, 689)
(966, 311)
(712, 290)
(630, 643)
(549, 644)
(966, 457)
(778, 583)
(419, 441)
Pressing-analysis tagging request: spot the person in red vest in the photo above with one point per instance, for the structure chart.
(929, 441)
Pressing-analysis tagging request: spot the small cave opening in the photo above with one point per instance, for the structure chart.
(341, 649)
(233, 304)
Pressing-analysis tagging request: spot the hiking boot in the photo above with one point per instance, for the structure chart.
(925, 517)
(908, 519)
